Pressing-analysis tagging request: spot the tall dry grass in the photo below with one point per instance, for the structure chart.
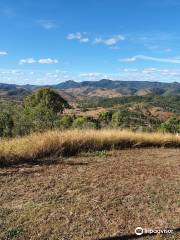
(63, 143)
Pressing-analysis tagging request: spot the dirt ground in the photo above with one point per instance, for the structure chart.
(92, 196)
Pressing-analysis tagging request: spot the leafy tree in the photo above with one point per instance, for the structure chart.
(47, 99)
(23, 123)
(172, 125)
(6, 124)
(105, 118)
(117, 119)
(42, 108)
(65, 122)
(84, 123)
(79, 122)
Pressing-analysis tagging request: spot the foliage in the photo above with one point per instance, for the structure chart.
(84, 123)
(39, 112)
(6, 123)
(65, 122)
(172, 125)
(79, 122)
(42, 111)
(117, 119)
(168, 103)
(46, 98)
(105, 118)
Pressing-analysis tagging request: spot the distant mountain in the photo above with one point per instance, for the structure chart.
(73, 91)
(109, 88)
(109, 84)
(13, 91)
(67, 84)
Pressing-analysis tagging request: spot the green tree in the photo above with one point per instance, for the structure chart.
(105, 118)
(117, 119)
(172, 125)
(23, 123)
(6, 124)
(42, 108)
(65, 122)
(79, 122)
(46, 98)
(84, 123)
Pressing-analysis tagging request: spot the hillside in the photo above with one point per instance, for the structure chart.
(92, 196)
(74, 91)
(109, 88)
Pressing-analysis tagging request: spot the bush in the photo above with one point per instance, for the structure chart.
(105, 118)
(65, 122)
(79, 122)
(84, 123)
(6, 124)
(172, 125)
(117, 119)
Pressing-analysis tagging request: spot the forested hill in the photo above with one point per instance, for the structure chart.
(88, 89)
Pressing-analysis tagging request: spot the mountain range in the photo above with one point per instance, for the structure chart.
(73, 91)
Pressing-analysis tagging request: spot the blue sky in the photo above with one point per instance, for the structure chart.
(47, 42)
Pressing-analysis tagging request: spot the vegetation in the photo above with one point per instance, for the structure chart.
(171, 125)
(169, 103)
(39, 112)
(47, 99)
(71, 142)
(45, 190)
(43, 110)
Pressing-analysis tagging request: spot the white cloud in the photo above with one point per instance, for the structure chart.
(130, 70)
(152, 74)
(27, 61)
(155, 59)
(78, 36)
(47, 61)
(131, 59)
(72, 36)
(40, 61)
(84, 40)
(109, 41)
(42, 77)
(3, 53)
(47, 24)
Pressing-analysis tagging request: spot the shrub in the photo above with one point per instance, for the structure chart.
(6, 124)
(117, 119)
(65, 122)
(105, 118)
(172, 125)
(79, 122)
(84, 123)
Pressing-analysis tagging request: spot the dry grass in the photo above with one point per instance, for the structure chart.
(92, 197)
(68, 143)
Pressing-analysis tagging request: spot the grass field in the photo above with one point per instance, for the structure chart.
(91, 196)
(71, 142)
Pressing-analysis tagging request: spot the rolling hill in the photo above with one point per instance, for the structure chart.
(73, 91)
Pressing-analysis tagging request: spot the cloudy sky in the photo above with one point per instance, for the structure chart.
(50, 41)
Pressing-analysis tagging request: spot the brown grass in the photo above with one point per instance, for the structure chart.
(92, 197)
(71, 142)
